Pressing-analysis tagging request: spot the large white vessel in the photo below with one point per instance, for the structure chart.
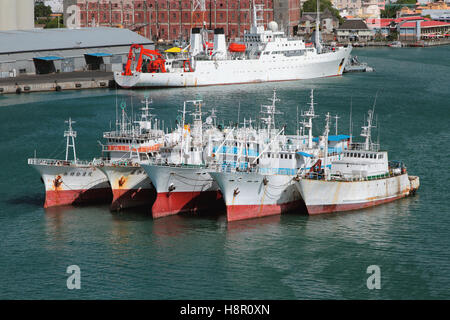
(70, 182)
(264, 55)
(362, 178)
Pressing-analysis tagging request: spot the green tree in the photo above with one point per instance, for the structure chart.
(311, 6)
(389, 12)
(406, 2)
(41, 10)
(54, 23)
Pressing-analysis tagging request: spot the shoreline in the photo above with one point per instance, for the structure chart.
(80, 80)
(77, 80)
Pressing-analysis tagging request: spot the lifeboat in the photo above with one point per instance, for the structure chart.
(236, 47)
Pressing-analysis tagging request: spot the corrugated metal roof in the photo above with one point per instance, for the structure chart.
(60, 39)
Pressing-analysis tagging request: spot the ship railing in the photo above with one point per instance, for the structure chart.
(132, 134)
(115, 163)
(339, 177)
(165, 163)
(266, 171)
(56, 162)
(362, 146)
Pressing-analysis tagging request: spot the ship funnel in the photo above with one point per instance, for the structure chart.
(220, 47)
(195, 41)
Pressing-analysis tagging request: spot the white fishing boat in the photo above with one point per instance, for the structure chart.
(362, 178)
(71, 181)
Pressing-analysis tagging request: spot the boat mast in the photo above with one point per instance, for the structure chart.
(309, 115)
(325, 158)
(336, 117)
(366, 130)
(71, 135)
(317, 33)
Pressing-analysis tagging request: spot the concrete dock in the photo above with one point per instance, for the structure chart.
(57, 82)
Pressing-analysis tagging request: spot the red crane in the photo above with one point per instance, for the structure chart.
(156, 63)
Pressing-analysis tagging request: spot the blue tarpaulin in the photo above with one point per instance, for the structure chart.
(99, 54)
(305, 154)
(49, 58)
(339, 137)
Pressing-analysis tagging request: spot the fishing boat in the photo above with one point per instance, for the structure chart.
(130, 144)
(363, 177)
(265, 184)
(71, 181)
(180, 172)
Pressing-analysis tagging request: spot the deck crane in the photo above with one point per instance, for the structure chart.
(156, 63)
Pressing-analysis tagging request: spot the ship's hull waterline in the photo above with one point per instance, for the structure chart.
(73, 185)
(130, 185)
(322, 196)
(181, 190)
(253, 195)
(222, 72)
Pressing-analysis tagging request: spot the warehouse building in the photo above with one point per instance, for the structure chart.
(41, 51)
(173, 19)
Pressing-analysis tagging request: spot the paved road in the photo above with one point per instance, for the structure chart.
(59, 77)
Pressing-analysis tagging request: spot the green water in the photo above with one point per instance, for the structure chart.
(128, 255)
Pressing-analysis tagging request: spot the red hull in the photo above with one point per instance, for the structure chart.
(170, 203)
(242, 212)
(318, 209)
(74, 197)
(128, 198)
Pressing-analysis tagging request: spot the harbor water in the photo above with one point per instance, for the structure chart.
(128, 255)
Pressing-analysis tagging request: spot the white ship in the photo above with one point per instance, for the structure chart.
(267, 186)
(71, 182)
(264, 55)
(180, 173)
(362, 178)
(127, 146)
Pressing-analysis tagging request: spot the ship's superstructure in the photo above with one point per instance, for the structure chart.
(363, 177)
(73, 181)
(263, 55)
(131, 143)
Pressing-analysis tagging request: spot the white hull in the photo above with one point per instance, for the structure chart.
(72, 184)
(131, 187)
(322, 196)
(210, 72)
(252, 195)
(182, 189)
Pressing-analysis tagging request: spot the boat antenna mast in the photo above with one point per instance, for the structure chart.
(327, 130)
(366, 131)
(146, 116)
(71, 135)
(270, 111)
(336, 117)
(307, 119)
(197, 119)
